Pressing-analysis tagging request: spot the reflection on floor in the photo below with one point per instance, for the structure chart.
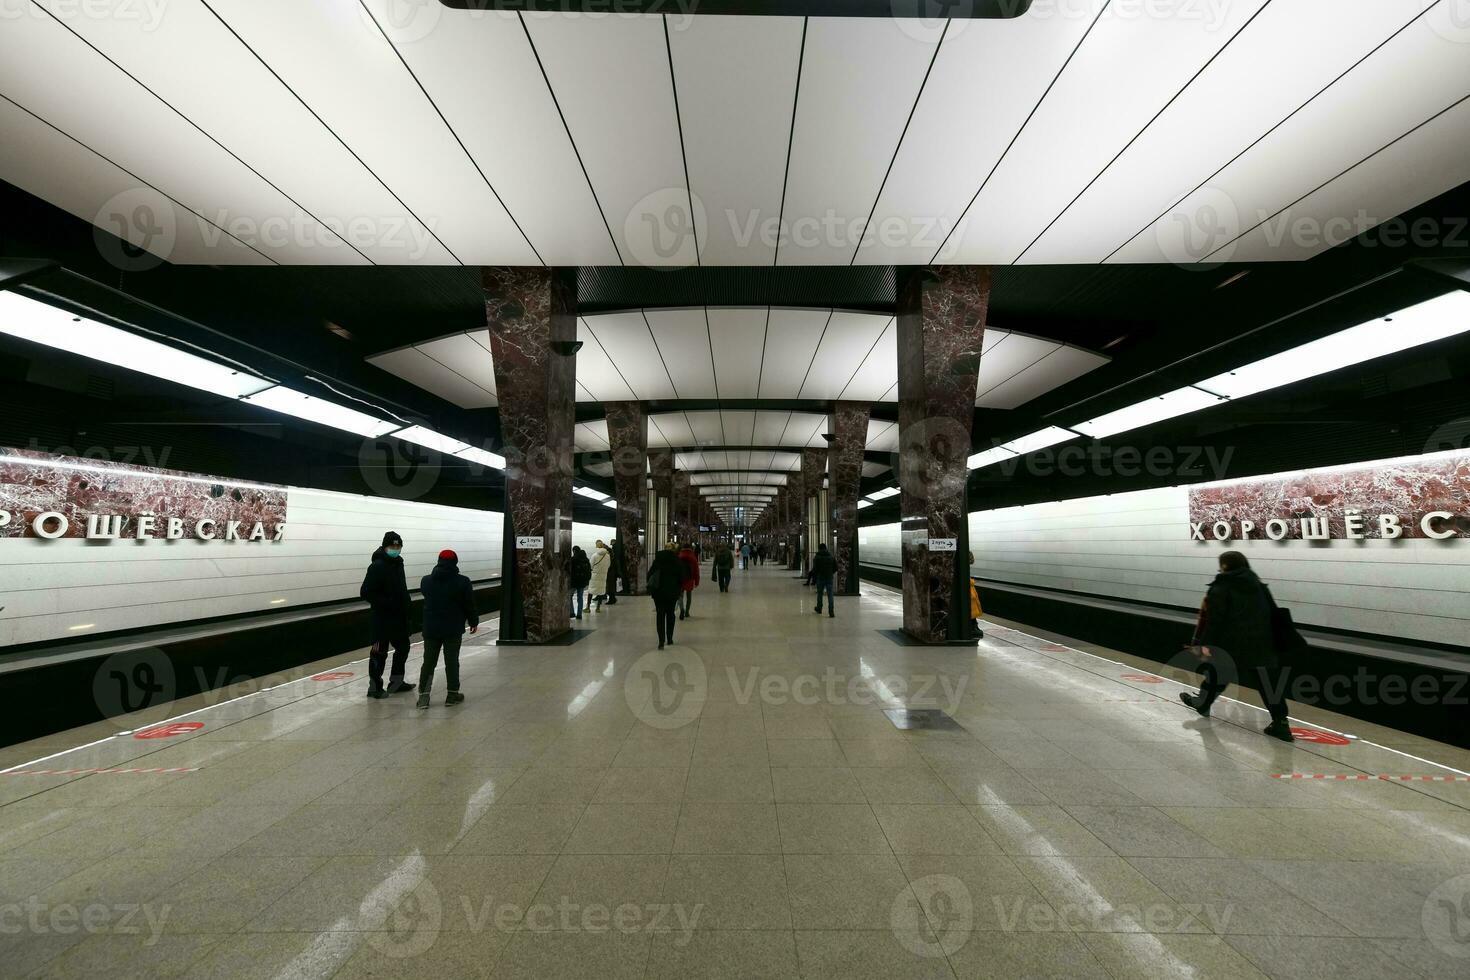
(741, 806)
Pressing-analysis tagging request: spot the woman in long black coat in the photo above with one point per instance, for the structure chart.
(665, 584)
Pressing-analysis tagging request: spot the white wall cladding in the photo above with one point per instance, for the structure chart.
(1137, 546)
(49, 588)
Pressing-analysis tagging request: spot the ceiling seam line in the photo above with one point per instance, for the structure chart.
(315, 115)
(201, 130)
(1139, 135)
(442, 118)
(108, 160)
(713, 368)
(813, 361)
(857, 247)
(659, 351)
(876, 341)
(609, 357)
(679, 125)
(1017, 135)
(790, 141)
(979, 395)
(520, 16)
(457, 374)
(1279, 123)
(1347, 170)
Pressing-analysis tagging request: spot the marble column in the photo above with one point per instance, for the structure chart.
(661, 472)
(813, 470)
(941, 323)
(794, 519)
(849, 427)
(679, 507)
(532, 316)
(627, 433)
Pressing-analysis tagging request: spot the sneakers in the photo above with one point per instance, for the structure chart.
(818, 610)
(424, 700)
(399, 686)
(375, 691)
(1279, 729)
(453, 697)
(1193, 700)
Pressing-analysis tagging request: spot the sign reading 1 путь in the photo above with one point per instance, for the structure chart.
(529, 543)
(52, 498)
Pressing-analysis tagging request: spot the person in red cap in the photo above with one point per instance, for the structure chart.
(449, 606)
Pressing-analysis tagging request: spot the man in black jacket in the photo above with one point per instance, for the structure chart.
(449, 606)
(1234, 637)
(387, 593)
(824, 569)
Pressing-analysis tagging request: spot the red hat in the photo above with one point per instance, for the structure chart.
(447, 555)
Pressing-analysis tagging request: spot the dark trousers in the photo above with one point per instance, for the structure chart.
(384, 636)
(687, 601)
(432, 646)
(578, 594)
(663, 611)
(1267, 681)
(825, 585)
(722, 575)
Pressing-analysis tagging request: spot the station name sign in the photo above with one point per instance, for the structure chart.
(52, 498)
(1426, 497)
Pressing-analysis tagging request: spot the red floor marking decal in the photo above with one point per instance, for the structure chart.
(1055, 648)
(89, 772)
(1319, 736)
(1362, 776)
(333, 675)
(1143, 678)
(170, 729)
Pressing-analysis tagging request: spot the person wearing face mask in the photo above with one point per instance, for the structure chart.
(386, 592)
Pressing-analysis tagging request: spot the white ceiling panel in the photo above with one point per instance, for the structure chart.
(591, 437)
(706, 429)
(626, 339)
(1008, 357)
(738, 337)
(42, 161)
(413, 365)
(179, 160)
(875, 379)
(629, 142)
(1061, 365)
(805, 427)
(988, 76)
(600, 469)
(596, 373)
(342, 66)
(1436, 155)
(875, 469)
(683, 340)
(859, 79)
(461, 57)
(844, 347)
(1231, 104)
(674, 427)
(770, 427)
(737, 82)
(739, 427)
(882, 436)
(467, 354)
(1410, 79)
(193, 62)
(791, 341)
(1124, 72)
(779, 461)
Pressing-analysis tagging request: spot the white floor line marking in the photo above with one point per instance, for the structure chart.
(220, 704)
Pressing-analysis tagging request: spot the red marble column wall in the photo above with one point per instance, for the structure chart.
(627, 433)
(849, 427)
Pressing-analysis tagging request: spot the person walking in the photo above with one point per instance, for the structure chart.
(1235, 629)
(449, 606)
(601, 562)
(690, 559)
(386, 593)
(824, 569)
(745, 555)
(579, 576)
(665, 583)
(976, 611)
(724, 561)
(617, 575)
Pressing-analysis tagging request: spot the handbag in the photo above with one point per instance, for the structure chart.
(1284, 635)
(654, 580)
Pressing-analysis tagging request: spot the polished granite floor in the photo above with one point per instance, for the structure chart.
(739, 805)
